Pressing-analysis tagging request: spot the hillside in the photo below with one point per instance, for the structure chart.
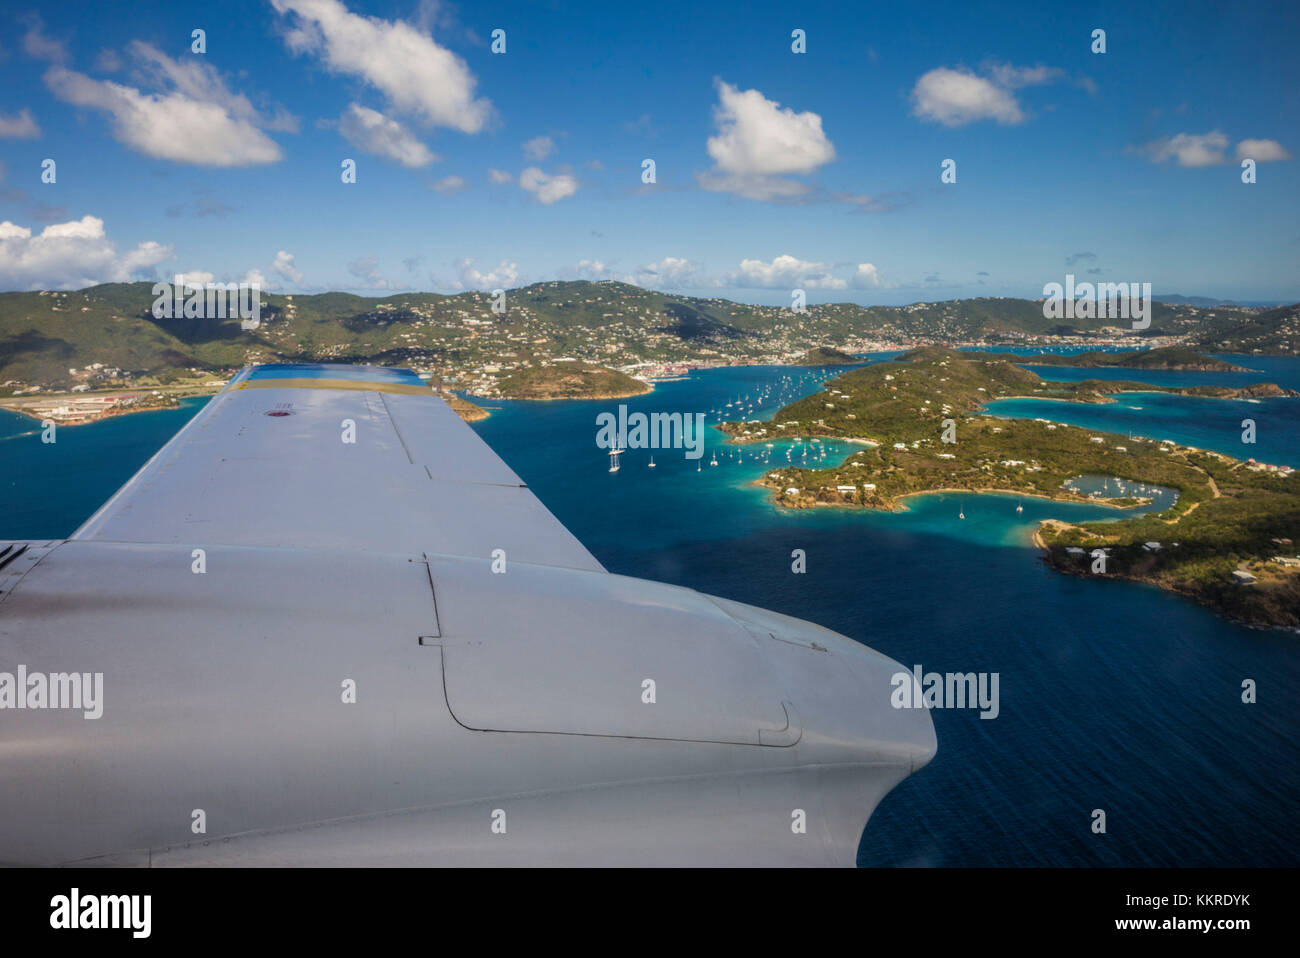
(1165, 357)
(1229, 515)
(568, 381)
(53, 340)
(826, 356)
(1273, 332)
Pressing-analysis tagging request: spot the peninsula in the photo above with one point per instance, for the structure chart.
(1164, 357)
(826, 356)
(567, 380)
(924, 415)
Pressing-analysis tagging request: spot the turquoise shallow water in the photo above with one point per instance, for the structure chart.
(1113, 696)
(1205, 423)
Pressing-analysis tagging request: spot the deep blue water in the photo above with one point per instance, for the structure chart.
(1113, 695)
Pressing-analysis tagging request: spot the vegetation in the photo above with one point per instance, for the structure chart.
(826, 356)
(570, 380)
(1229, 514)
(44, 335)
(1164, 357)
(1273, 332)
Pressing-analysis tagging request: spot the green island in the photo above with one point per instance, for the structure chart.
(826, 356)
(1227, 541)
(568, 380)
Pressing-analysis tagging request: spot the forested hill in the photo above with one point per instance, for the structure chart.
(44, 335)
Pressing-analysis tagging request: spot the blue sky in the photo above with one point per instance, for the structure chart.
(774, 170)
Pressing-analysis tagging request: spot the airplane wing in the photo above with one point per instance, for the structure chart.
(334, 457)
(290, 640)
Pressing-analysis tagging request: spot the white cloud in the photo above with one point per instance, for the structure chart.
(590, 269)
(1189, 149)
(674, 272)
(1262, 151)
(504, 276)
(500, 176)
(785, 272)
(865, 276)
(1209, 149)
(451, 184)
(108, 61)
(539, 148)
(756, 136)
(37, 44)
(283, 265)
(1013, 78)
(19, 126)
(757, 143)
(194, 78)
(255, 277)
(958, 97)
(366, 269)
(399, 59)
(880, 203)
(192, 277)
(547, 188)
(375, 133)
(762, 188)
(71, 255)
(199, 122)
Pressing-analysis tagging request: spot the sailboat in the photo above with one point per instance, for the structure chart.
(961, 512)
(714, 460)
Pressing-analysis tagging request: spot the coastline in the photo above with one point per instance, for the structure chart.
(1107, 398)
(467, 410)
(111, 413)
(585, 398)
(1085, 501)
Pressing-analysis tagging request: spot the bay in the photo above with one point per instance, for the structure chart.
(1114, 696)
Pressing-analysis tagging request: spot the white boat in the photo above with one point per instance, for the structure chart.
(652, 462)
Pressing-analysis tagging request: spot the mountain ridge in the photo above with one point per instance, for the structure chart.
(50, 339)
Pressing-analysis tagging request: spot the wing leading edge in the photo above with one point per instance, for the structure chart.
(334, 457)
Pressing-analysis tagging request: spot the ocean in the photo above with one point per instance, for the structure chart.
(1113, 696)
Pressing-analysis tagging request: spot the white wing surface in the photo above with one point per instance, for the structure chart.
(334, 457)
(276, 647)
